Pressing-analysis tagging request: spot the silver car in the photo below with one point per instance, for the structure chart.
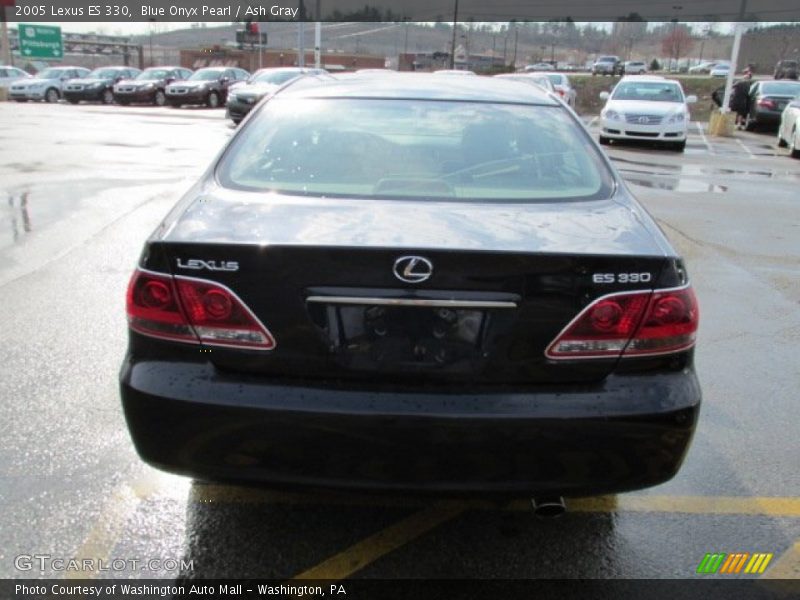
(563, 88)
(9, 75)
(46, 85)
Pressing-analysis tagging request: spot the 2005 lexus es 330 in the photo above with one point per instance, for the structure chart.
(412, 283)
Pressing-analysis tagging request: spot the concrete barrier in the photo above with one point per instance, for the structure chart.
(3, 94)
(721, 124)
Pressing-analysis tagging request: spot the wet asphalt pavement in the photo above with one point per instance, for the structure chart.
(81, 188)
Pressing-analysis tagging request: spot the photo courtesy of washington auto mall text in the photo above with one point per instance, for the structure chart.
(399, 299)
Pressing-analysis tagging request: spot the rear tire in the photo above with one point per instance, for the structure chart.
(604, 141)
(213, 100)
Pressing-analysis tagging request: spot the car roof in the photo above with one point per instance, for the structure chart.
(424, 86)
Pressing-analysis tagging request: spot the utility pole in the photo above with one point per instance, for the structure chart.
(453, 44)
(516, 44)
(318, 36)
(8, 57)
(301, 34)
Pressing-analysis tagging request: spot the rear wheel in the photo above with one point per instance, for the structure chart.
(52, 95)
(108, 97)
(213, 100)
(159, 98)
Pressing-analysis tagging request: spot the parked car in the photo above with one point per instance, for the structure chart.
(47, 85)
(607, 65)
(540, 66)
(538, 79)
(563, 87)
(704, 68)
(9, 75)
(720, 70)
(646, 108)
(207, 86)
(634, 67)
(786, 69)
(768, 99)
(789, 129)
(149, 85)
(98, 85)
(368, 289)
(243, 96)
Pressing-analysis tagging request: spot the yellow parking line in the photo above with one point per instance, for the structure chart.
(356, 557)
(101, 540)
(787, 566)
(703, 505)
(719, 505)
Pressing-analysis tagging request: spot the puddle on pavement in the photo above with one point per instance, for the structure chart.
(704, 171)
(677, 185)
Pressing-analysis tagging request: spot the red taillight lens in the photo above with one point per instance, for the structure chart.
(193, 310)
(153, 308)
(219, 317)
(630, 323)
(670, 324)
(767, 103)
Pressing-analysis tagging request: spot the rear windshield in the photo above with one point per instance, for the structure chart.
(784, 88)
(377, 148)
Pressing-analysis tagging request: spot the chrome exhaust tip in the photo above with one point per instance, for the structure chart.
(548, 507)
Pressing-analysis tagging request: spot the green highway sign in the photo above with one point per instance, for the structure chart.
(40, 41)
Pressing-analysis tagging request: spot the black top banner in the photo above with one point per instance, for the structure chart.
(401, 10)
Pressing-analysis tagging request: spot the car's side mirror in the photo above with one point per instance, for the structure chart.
(604, 95)
(691, 99)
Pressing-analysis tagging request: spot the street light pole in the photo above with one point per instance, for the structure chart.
(318, 36)
(453, 44)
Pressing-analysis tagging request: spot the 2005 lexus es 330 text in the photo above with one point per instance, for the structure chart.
(412, 283)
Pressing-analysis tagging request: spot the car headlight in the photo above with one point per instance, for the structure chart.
(612, 115)
(677, 118)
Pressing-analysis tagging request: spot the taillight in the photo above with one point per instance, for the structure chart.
(768, 103)
(193, 310)
(630, 324)
(219, 317)
(153, 308)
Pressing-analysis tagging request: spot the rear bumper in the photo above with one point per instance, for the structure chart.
(238, 110)
(626, 433)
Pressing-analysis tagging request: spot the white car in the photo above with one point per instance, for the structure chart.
(789, 130)
(540, 66)
(634, 67)
(646, 108)
(720, 70)
(9, 75)
(46, 85)
(563, 88)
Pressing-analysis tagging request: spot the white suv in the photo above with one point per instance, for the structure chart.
(646, 108)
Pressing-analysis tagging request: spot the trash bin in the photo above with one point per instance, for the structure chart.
(721, 124)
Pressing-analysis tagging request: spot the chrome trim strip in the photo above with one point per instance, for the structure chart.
(411, 302)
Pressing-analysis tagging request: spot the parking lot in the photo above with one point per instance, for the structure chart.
(81, 188)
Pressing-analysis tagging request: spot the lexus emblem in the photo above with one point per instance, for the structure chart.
(413, 269)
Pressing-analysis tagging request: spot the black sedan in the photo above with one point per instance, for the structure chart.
(207, 86)
(98, 85)
(244, 96)
(767, 101)
(149, 85)
(412, 283)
